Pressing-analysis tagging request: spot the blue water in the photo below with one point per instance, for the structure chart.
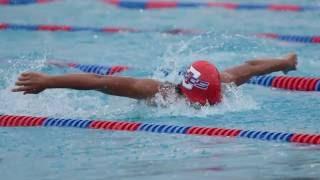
(61, 153)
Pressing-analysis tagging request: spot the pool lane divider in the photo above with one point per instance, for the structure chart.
(111, 30)
(280, 82)
(30, 121)
(23, 2)
(287, 82)
(160, 4)
(91, 68)
(174, 31)
(291, 38)
(100, 70)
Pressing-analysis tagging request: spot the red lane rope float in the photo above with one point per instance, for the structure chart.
(24, 2)
(305, 138)
(29, 121)
(15, 121)
(176, 31)
(281, 82)
(156, 4)
(111, 125)
(214, 131)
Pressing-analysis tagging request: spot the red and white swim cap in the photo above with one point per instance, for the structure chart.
(201, 83)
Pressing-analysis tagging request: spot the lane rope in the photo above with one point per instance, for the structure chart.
(291, 38)
(67, 28)
(156, 4)
(91, 68)
(175, 31)
(287, 82)
(30, 121)
(23, 2)
(281, 82)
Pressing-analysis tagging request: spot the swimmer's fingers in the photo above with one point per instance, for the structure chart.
(23, 78)
(23, 83)
(22, 88)
(26, 74)
(27, 90)
(33, 91)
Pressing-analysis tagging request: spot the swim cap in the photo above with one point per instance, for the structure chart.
(201, 83)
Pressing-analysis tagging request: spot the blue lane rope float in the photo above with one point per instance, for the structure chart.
(29, 121)
(281, 82)
(24, 2)
(159, 4)
(176, 31)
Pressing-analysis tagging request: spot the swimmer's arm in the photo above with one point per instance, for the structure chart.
(33, 83)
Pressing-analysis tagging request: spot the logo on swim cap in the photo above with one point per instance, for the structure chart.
(201, 83)
(191, 79)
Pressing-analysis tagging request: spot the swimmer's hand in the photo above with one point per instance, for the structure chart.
(31, 83)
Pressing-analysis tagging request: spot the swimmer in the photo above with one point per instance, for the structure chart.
(201, 83)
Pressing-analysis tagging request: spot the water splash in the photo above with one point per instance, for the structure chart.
(233, 101)
(175, 58)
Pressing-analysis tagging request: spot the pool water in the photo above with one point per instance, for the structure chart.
(67, 153)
